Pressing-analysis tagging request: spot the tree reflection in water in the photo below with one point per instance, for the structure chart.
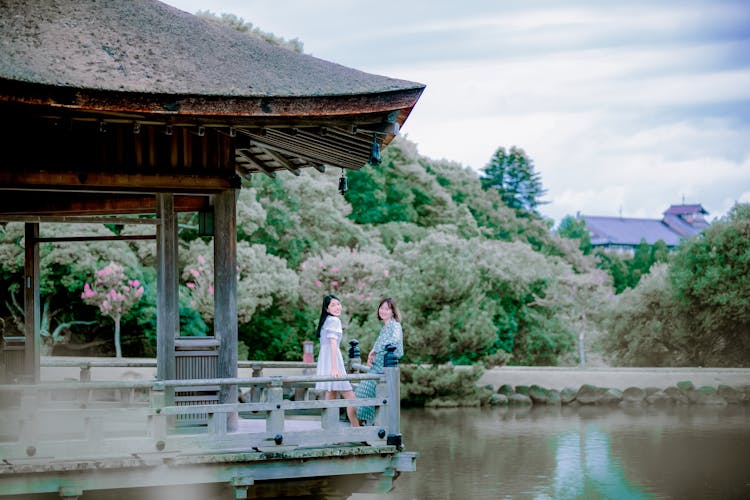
(586, 452)
(585, 468)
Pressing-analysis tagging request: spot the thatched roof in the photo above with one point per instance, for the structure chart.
(121, 88)
(145, 46)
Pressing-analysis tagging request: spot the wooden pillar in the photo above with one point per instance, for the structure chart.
(225, 288)
(167, 306)
(393, 387)
(32, 346)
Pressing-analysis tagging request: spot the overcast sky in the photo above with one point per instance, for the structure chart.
(624, 107)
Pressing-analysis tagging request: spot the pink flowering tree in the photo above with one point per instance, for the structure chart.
(114, 294)
(199, 280)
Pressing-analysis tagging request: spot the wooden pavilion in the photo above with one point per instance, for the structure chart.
(131, 112)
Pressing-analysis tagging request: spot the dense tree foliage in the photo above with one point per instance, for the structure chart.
(478, 281)
(694, 311)
(711, 280)
(575, 228)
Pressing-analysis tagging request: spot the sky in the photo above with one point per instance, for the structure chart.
(624, 107)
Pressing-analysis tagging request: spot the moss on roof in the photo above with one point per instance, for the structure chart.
(146, 46)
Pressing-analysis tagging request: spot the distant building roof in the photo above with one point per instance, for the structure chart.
(628, 232)
(685, 209)
(680, 221)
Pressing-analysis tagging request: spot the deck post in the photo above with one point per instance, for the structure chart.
(158, 421)
(255, 390)
(29, 431)
(275, 422)
(70, 493)
(393, 390)
(225, 291)
(167, 308)
(240, 484)
(32, 315)
(85, 372)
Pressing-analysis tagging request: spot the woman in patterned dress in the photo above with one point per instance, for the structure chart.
(391, 333)
(330, 360)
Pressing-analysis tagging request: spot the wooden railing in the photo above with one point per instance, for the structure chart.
(85, 365)
(88, 419)
(85, 418)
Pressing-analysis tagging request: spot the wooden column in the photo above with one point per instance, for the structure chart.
(32, 346)
(167, 306)
(225, 288)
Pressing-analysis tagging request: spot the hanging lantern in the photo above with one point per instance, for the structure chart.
(343, 186)
(375, 151)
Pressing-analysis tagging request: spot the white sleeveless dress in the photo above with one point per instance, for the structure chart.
(331, 330)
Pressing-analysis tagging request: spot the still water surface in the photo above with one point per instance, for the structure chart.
(585, 452)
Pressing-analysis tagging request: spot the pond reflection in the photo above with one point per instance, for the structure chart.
(585, 452)
(585, 468)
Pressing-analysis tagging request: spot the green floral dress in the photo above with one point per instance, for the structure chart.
(391, 333)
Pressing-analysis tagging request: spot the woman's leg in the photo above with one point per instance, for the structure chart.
(351, 411)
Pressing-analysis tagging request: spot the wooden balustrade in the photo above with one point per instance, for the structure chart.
(69, 419)
(86, 365)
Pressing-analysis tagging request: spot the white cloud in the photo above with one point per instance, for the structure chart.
(620, 105)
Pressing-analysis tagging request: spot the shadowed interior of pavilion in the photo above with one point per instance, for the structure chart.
(130, 113)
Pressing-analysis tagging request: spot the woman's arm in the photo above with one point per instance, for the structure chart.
(396, 336)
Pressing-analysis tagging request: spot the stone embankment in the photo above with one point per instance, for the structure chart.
(522, 386)
(684, 393)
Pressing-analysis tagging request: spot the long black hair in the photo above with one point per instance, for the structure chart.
(324, 311)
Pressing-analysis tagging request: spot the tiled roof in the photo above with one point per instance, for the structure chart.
(682, 227)
(680, 221)
(628, 232)
(685, 209)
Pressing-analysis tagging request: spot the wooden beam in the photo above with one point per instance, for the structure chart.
(117, 182)
(246, 156)
(287, 164)
(78, 220)
(48, 205)
(114, 237)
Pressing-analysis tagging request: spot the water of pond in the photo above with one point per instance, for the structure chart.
(585, 452)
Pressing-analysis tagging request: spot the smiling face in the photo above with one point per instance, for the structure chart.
(384, 312)
(334, 308)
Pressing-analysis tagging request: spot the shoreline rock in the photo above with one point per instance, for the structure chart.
(683, 393)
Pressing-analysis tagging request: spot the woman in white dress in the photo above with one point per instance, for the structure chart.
(330, 360)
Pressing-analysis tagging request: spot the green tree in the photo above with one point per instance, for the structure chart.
(304, 216)
(575, 228)
(645, 326)
(512, 174)
(711, 278)
(401, 189)
(262, 280)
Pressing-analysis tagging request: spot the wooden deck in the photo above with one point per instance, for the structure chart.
(72, 437)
